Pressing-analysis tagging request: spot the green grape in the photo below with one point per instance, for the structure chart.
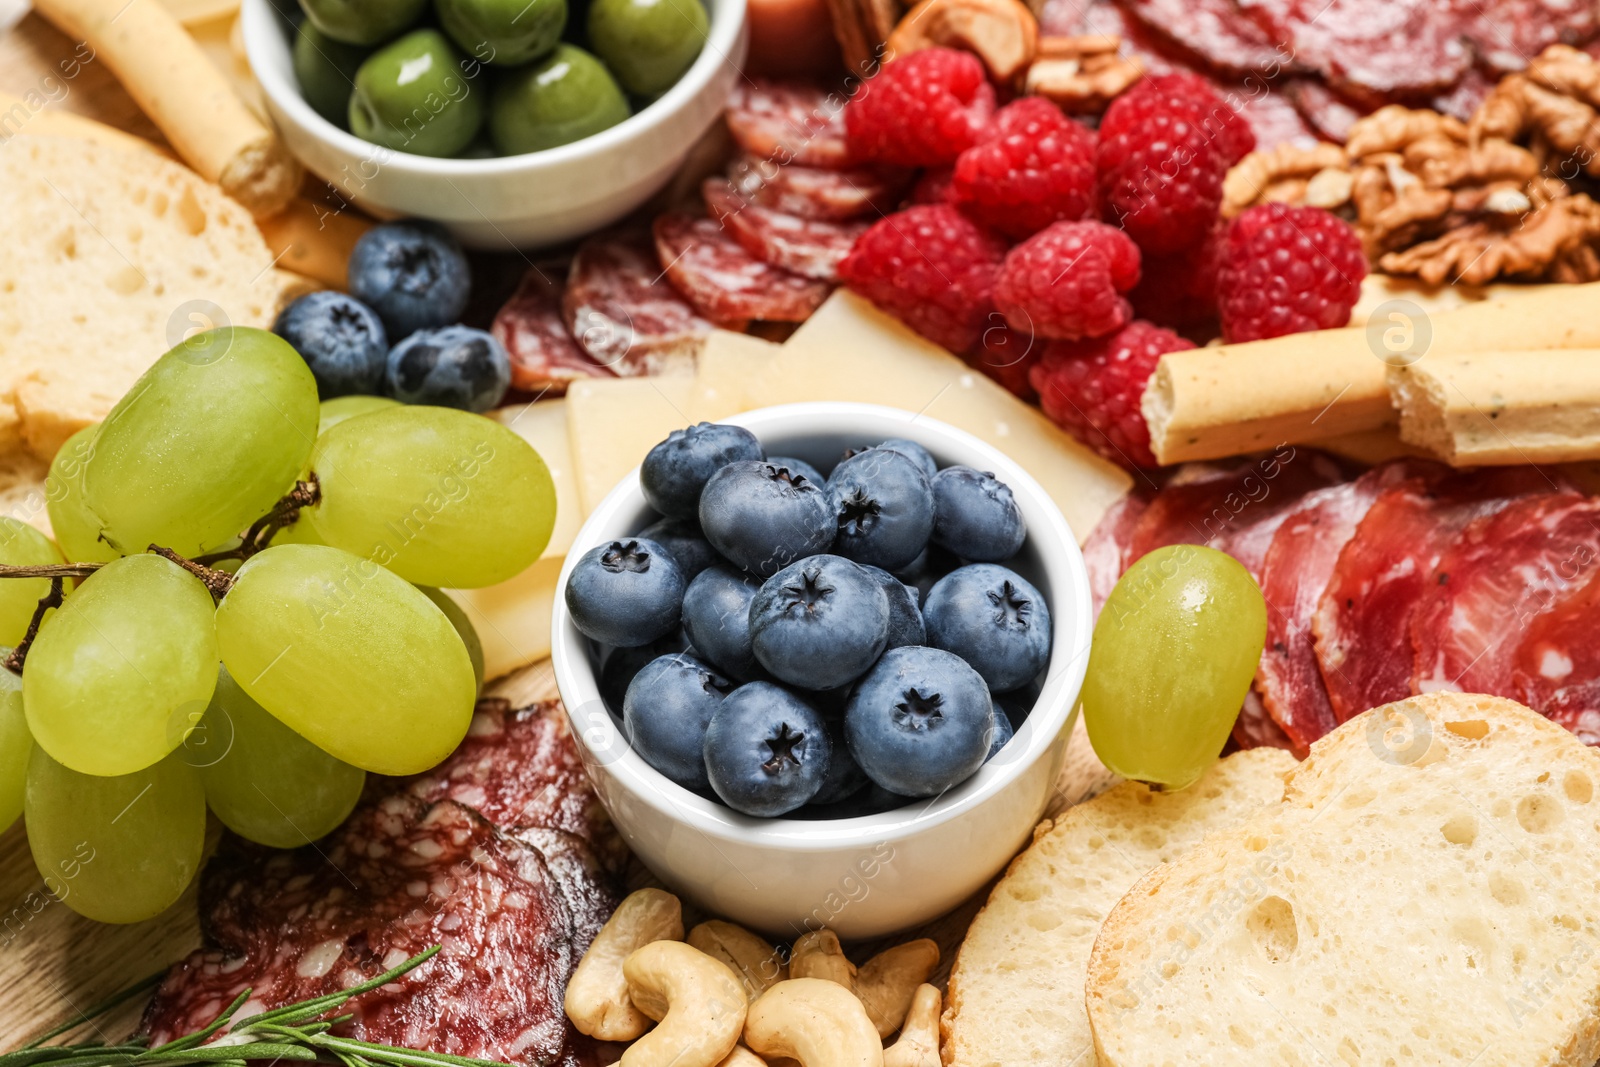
(458, 618)
(204, 443)
(264, 781)
(299, 532)
(124, 669)
(340, 408)
(119, 849)
(349, 656)
(441, 497)
(1173, 655)
(76, 528)
(16, 743)
(22, 545)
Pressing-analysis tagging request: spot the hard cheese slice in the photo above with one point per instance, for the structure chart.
(544, 426)
(613, 422)
(730, 364)
(849, 350)
(513, 618)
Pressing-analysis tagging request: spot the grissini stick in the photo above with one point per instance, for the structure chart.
(168, 75)
(1206, 403)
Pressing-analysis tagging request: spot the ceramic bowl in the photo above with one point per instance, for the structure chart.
(525, 201)
(862, 877)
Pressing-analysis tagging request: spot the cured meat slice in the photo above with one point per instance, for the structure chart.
(1385, 46)
(1105, 553)
(620, 308)
(1324, 110)
(1362, 624)
(1466, 96)
(809, 247)
(788, 122)
(398, 877)
(1502, 572)
(1254, 728)
(1272, 117)
(1556, 668)
(1215, 32)
(1506, 34)
(545, 357)
(726, 283)
(815, 193)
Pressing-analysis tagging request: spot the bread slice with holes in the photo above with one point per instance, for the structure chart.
(1427, 893)
(1016, 991)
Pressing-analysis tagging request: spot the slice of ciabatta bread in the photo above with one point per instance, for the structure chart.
(1016, 992)
(1427, 893)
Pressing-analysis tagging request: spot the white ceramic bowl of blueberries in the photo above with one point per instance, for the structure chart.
(822, 661)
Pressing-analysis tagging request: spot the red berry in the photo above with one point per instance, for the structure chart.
(1034, 167)
(1160, 176)
(1288, 270)
(1092, 388)
(921, 110)
(1067, 281)
(1195, 96)
(933, 268)
(1179, 290)
(1007, 356)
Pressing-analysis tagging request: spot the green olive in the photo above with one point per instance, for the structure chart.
(413, 96)
(367, 22)
(565, 97)
(648, 44)
(504, 33)
(326, 70)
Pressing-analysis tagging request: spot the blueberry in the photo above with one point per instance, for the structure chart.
(905, 618)
(1000, 733)
(686, 544)
(767, 751)
(341, 340)
(716, 616)
(454, 367)
(909, 449)
(625, 593)
(994, 620)
(885, 507)
(819, 623)
(799, 466)
(668, 707)
(675, 471)
(919, 722)
(621, 664)
(763, 518)
(845, 776)
(413, 274)
(975, 516)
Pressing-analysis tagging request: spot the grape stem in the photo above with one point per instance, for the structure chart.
(217, 582)
(286, 512)
(52, 599)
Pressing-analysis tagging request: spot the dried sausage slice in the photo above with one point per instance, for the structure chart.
(545, 358)
(811, 248)
(620, 308)
(789, 122)
(816, 193)
(726, 283)
(1383, 46)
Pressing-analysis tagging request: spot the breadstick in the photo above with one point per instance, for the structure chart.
(1502, 408)
(165, 71)
(1211, 402)
(55, 122)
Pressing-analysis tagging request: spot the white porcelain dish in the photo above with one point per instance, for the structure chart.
(876, 874)
(525, 201)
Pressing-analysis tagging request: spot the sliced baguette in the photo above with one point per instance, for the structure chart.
(1015, 992)
(1427, 894)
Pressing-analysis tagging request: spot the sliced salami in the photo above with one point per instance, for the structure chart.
(1556, 668)
(620, 308)
(1254, 728)
(1502, 572)
(815, 193)
(545, 357)
(1213, 30)
(398, 877)
(726, 283)
(810, 248)
(1105, 553)
(1272, 117)
(1506, 34)
(788, 122)
(1324, 110)
(1384, 46)
(1466, 96)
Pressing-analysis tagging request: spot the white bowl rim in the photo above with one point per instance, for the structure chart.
(261, 24)
(1069, 655)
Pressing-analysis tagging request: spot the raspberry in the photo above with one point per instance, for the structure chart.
(1092, 389)
(932, 267)
(1179, 290)
(921, 110)
(1288, 270)
(1034, 167)
(1067, 281)
(1007, 356)
(1160, 177)
(1195, 96)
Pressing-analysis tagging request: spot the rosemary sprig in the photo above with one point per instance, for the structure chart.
(300, 1032)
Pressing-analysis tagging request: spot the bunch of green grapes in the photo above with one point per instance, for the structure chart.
(161, 685)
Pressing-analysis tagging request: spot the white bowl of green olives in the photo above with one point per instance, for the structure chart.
(512, 122)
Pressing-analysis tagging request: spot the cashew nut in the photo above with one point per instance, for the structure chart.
(597, 996)
(887, 982)
(919, 1037)
(742, 1057)
(699, 1005)
(818, 1022)
(818, 955)
(750, 956)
